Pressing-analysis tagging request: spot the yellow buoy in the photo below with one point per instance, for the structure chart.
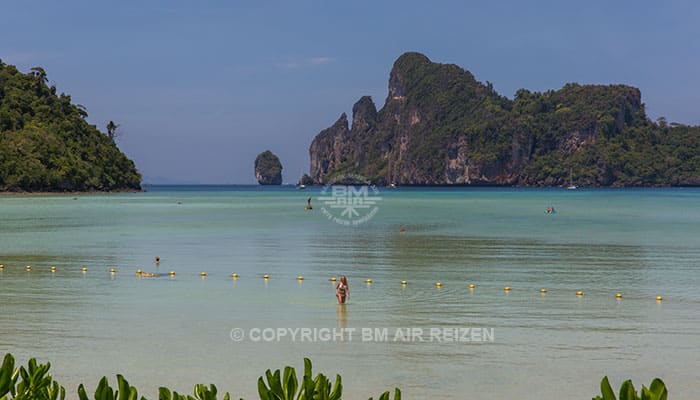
(368, 281)
(404, 283)
(112, 270)
(266, 276)
(333, 279)
(507, 288)
(543, 290)
(53, 269)
(234, 275)
(172, 273)
(300, 278)
(2, 266)
(618, 295)
(202, 273)
(139, 272)
(84, 269)
(579, 293)
(659, 298)
(438, 284)
(28, 267)
(472, 286)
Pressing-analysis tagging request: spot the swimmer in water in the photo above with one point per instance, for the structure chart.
(342, 291)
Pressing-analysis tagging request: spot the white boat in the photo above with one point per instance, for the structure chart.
(571, 181)
(300, 185)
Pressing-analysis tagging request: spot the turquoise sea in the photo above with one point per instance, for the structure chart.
(176, 331)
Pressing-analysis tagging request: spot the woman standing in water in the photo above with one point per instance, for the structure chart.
(342, 291)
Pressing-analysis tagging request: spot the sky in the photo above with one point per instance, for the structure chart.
(201, 87)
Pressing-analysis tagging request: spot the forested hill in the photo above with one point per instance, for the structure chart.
(441, 126)
(46, 145)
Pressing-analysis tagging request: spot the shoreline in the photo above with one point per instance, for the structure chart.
(146, 188)
(76, 193)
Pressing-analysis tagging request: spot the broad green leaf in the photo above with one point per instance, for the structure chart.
(627, 391)
(263, 389)
(290, 383)
(81, 393)
(122, 389)
(164, 394)
(307, 367)
(606, 390)
(7, 371)
(337, 392)
(658, 389)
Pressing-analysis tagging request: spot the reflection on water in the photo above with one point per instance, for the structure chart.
(341, 316)
(175, 331)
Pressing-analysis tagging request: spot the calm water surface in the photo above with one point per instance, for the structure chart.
(176, 332)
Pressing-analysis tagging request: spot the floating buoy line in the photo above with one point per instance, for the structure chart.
(300, 278)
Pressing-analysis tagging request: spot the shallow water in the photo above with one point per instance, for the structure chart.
(176, 331)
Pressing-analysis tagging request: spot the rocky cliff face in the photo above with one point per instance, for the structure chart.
(268, 169)
(440, 126)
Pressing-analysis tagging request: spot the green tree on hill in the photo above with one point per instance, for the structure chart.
(47, 145)
(112, 130)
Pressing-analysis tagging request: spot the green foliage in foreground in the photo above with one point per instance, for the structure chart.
(46, 144)
(35, 383)
(656, 391)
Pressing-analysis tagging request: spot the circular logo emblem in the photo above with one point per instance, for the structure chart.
(349, 200)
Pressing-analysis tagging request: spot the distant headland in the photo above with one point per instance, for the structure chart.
(440, 126)
(46, 145)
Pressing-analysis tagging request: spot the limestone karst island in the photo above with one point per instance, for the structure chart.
(268, 169)
(440, 126)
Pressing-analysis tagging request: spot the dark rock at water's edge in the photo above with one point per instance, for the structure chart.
(46, 144)
(306, 180)
(440, 126)
(268, 169)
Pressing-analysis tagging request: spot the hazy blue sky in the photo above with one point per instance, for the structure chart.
(201, 87)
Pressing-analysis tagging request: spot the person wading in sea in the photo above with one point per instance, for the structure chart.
(342, 291)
